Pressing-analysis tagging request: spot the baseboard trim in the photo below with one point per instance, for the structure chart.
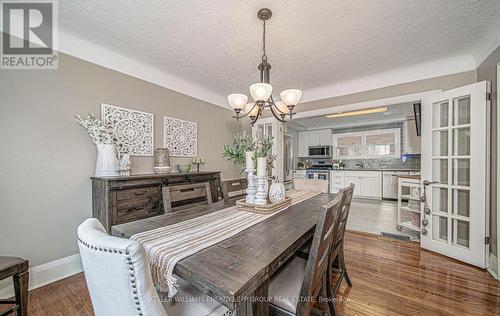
(45, 274)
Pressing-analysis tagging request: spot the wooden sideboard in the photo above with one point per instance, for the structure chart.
(118, 200)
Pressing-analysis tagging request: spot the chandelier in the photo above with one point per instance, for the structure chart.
(261, 92)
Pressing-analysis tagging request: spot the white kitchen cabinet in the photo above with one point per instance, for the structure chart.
(371, 187)
(336, 181)
(367, 184)
(411, 142)
(303, 144)
(320, 137)
(299, 174)
(313, 138)
(325, 137)
(357, 183)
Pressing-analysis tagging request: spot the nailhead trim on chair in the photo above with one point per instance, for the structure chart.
(131, 267)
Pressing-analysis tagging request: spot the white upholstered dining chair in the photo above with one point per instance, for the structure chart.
(119, 279)
(315, 185)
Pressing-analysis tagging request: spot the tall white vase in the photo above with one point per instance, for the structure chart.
(105, 165)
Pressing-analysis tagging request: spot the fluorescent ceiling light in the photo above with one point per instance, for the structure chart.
(359, 112)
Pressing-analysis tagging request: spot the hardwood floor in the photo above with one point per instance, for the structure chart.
(376, 216)
(389, 278)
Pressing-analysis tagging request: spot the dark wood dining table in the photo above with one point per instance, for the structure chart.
(237, 270)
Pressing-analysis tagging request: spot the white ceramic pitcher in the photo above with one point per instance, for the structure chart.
(105, 165)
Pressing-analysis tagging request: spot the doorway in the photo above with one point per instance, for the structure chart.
(371, 149)
(456, 139)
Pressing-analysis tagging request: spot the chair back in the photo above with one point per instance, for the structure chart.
(341, 223)
(117, 273)
(315, 185)
(229, 186)
(317, 264)
(184, 193)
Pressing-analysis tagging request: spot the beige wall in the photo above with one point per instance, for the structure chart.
(46, 159)
(488, 71)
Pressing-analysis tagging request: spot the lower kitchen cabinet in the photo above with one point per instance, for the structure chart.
(356, 180)
(371, 186)
(367, 184)
(299, 174)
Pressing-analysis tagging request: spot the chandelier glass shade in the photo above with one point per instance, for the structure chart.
(261, 92)
(237, 101)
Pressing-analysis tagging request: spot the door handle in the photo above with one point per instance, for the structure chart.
(427, 210)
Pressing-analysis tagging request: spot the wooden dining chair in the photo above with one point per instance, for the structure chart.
(315, 185)
(337, 257)
(229, 186)
(179, 197)
(17, 268)
(306, 280)
(337, 261)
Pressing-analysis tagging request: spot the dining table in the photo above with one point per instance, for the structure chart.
(236, 271)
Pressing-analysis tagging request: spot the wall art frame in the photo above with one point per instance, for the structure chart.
(133, 130)
(180, 137)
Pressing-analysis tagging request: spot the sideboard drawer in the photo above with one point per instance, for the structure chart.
(131, 210)
(138, 193)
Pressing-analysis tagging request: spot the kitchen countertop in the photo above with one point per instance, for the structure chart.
(360, 169)
(373, 169)
(410, 177)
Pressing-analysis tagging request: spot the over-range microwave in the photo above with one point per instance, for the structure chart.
(324, 152)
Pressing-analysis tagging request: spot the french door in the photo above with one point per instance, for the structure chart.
(455, 138)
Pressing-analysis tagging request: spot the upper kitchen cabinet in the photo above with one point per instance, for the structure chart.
(303, 144)
(411, 143)
(320, 137)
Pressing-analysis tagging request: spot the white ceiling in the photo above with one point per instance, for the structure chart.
(208, 49)
(396, 112)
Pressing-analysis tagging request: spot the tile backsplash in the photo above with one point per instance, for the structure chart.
(410, 162)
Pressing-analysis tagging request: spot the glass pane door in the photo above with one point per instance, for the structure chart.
(451, 170)
(454, 173)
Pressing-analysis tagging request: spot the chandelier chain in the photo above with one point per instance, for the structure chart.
(264, 56)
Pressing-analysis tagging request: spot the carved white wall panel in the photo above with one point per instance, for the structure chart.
(133, 130)
(180, 137)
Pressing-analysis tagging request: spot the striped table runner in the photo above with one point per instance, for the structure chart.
(165, 246)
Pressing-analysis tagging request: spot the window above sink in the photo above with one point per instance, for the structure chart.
(384, 143)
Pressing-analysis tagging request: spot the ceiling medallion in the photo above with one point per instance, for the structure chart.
(261, 92)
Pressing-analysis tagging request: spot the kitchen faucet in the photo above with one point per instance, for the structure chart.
(360, 164)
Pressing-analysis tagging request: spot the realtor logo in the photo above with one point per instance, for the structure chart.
(29, 35)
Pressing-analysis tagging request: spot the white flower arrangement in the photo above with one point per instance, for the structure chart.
(97, 130)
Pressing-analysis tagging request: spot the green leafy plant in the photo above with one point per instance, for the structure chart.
(235, 151)
(262, 147)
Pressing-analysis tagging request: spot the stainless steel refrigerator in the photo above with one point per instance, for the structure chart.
(288, 158)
